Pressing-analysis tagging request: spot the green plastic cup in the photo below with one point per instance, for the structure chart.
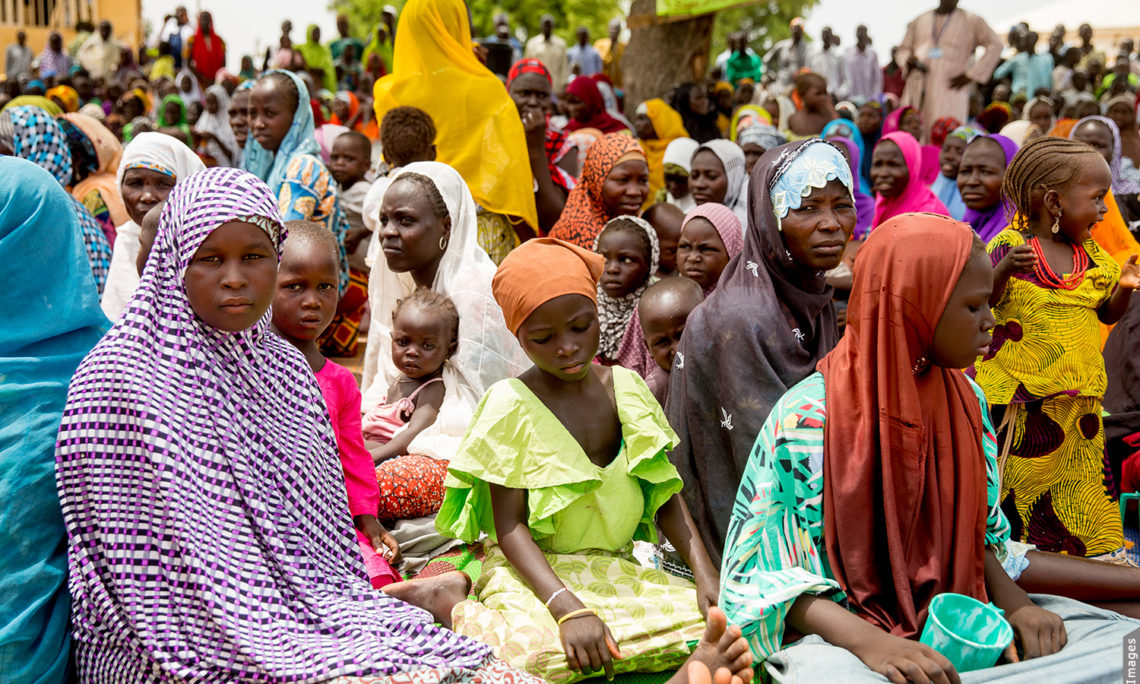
(971, 634)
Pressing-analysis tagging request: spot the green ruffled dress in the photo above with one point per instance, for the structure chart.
(584, 518)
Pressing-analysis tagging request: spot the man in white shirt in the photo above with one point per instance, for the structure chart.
(787, 57)
(100, 54)
(551, 51)
(829, 64)
(865, 76)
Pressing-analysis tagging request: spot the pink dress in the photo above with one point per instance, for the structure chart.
(342, 397)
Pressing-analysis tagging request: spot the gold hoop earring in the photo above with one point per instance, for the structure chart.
(443, 242)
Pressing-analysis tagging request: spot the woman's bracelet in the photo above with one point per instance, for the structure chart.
(575, 613)
(554, 596)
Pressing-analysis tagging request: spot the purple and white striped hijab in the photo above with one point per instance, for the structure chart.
(209, 532)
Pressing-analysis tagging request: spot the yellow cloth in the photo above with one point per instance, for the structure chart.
(163, 67)
(611, 59)
(478, 130)
(1114, 237)
(669, 126)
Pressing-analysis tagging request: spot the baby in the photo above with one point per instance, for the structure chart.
(664, 309)
(303, 306)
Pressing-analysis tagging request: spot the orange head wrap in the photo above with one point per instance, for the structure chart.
(540, 270)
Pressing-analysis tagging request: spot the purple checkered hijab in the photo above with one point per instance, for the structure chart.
(209, 533)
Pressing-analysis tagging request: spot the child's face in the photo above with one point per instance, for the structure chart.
(211, 103)
(231, 279)
(981, 174)
(677, 185)
(627, 265)
(143, 189)
(1041, 116)
(816, 233)
(270, 115)
(1097, 135)
(305, 300)
(239, 116)
(707, 179)
(950, 158)
(148, 231)
(869, 120)
(340, 108)
(1082, 201)
(963, 333)
(561, 337)
(348, 162)
(662, 324)
(701, 254)
(752, 154)
(910, 123)
(172, 112)
(421, 342)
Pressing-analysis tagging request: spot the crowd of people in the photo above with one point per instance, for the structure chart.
(728, 384)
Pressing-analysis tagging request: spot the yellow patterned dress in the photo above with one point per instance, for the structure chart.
(584, 518)
(1044, 365)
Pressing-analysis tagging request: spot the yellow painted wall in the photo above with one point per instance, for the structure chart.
(125, 17)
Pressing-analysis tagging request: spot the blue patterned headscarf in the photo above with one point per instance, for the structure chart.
(34, 135)
(270, 166)
(846, 128)
(813, 167)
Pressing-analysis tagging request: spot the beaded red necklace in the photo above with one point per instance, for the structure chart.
(1046, 275)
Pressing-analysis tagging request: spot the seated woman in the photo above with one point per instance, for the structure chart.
(718, 174)
(211, 497)
(563, 468)
(764, 328)
(614, 182)
(657, 125)
(152, 164)
(51, 320)
(587, 108)
(427, 230)
(551, 158)
(980, 177)
(873, 487)
(896, 177)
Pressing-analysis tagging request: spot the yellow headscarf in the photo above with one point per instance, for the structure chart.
(668, 125)
(478, 129)
(756, 113)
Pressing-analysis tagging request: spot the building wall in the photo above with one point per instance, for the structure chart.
(125, 17)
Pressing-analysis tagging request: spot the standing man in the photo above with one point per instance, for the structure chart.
(551, 51)
(866, 77)
(787, 57)
(503, 33)
(937, 49)
(100, 54)
(53, 60)
(337, 46)
(584, 59)
(743, 62)
(18, 58)
(1028, 71)
(612, 50)
(830, 64)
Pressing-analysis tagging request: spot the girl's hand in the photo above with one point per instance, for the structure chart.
(1019, 259)
(902, 660)
(1130, 274)
(588, 645)
(381, 539)
(708, 591)
(1039, 632)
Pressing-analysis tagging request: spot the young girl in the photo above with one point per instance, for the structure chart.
(303, 306)
(563, 467)
(710, 237)
(631, 250)
(425, 330)
(1052, 283)
(718, 175)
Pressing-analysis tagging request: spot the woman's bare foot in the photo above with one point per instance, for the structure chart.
(722, 650)
(437, 595)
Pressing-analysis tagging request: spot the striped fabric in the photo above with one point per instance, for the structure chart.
(209, 535)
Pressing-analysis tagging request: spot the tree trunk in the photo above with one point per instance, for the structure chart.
(661, 55)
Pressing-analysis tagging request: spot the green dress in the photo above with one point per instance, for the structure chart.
(584, 518)
(774, 550)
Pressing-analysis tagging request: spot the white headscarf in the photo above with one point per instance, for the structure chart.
(159, 152)
(487, 351)
(735, 170)
(218, 125)
(680, 152)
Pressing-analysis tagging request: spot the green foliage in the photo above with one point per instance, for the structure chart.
(766, 23)
(568, 15)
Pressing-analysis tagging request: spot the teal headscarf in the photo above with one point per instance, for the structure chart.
(846, 128)
(51, 320)
(270, 166)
